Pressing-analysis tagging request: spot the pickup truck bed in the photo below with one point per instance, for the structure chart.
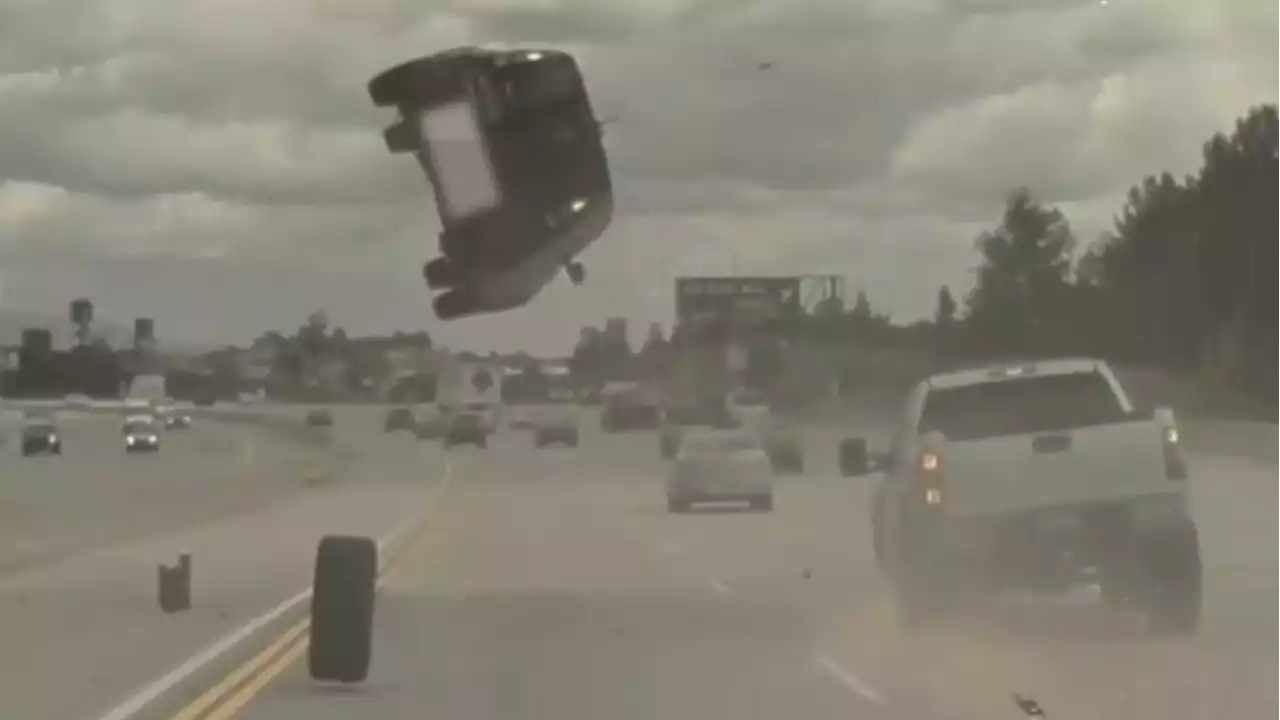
(1090, 465)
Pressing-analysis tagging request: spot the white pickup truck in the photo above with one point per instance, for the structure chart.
(1037, 476)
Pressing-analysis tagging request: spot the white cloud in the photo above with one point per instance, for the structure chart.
(222, 137)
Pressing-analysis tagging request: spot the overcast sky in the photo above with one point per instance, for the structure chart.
(216, 163)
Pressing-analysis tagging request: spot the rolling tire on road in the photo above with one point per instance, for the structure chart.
(342, 599)
(678, 505)
(762, 504)
(1171, 567)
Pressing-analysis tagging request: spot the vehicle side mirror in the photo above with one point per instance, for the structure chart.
(854, 458)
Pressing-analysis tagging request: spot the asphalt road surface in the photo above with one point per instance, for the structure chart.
(552, 585)
(81, 536)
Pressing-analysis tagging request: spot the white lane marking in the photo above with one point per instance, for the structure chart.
(158, 688)
(719, 587)
(849, 680)
(670, 548)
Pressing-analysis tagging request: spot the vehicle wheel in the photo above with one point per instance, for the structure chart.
(342, 609)
(539, 444)
(677, 505)
(918, 598)
(920, 592)
(1172, 571)
(483, 444)
(573, 442)
(762, 504)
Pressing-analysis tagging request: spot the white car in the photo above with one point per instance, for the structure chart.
(720, 466)
(1037, 477)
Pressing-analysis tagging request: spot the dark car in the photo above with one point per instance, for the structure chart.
(400, 418)
(41, 438)
(467, 429)
(516, 160)
(560, 431)
(319, 418)
(622, 414)
(141, 436)
(177, 421)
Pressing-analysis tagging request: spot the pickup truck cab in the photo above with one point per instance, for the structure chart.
(1036, 476)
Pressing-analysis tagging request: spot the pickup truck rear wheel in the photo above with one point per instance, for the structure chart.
(1170, 562)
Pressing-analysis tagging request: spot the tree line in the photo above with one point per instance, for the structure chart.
(1182, 281)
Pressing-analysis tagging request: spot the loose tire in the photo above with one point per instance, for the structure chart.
(1171, 567)
(342, 609)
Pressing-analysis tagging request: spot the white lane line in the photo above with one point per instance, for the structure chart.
(719, 587)
(158, 688)
(851, 681)
(670, 548)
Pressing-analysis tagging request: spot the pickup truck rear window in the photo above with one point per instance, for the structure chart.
(1023, 406)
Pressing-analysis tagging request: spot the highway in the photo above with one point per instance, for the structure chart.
(552, 585)
(82, 534)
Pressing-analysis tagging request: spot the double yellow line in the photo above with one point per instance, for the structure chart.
(226, 699)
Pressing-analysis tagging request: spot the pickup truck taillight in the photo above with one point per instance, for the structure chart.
(929, 476)
(1175, 465)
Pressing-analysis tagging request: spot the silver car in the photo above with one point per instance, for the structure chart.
(720, 466)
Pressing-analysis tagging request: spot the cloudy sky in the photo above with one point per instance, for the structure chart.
(216, 163)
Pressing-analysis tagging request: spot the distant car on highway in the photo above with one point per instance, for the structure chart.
(711, 412)
(467, 428)
(399, 418)
(555, 429)
(177, 420)
(319, 418)
(78, 401)
(40, 436)
(720, 466)
(781, 437)
(1036, 477)
(623, 413)
(141, 434)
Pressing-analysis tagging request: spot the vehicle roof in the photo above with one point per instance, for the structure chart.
(1013, 370)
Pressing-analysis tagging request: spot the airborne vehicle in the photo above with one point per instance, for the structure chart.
(514, 154)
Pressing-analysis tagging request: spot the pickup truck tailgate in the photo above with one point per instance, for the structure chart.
(1095, 464)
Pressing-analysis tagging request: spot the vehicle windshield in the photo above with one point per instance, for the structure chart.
(141, 428)
(1021, 406)
(40, 429)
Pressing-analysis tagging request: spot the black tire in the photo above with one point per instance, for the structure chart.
(1173, 579)
(342, 601)
(762, 504)
(677, 505)
(483, 444)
